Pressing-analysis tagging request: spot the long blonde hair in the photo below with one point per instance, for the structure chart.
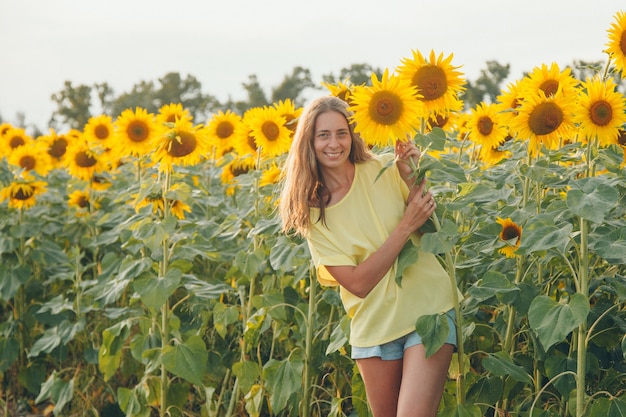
(302, 183)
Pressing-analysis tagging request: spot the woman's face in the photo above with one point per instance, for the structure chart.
(331, 140)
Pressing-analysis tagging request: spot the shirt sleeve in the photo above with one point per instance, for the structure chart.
(325, 253)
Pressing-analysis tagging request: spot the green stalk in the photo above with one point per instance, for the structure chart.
(165, 307)
(308, 346)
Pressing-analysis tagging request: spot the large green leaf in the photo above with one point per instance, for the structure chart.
(434, 330)
(187, 360)
(9, 351)
(487, 390)
(608, 407)
(500, 364)
(12, 279)
(462, 410)
(283, 379)
(58, 391)
(441, 241)
(494, 283)
(407, 257)
(111, 349)
(247, 373)
(55, 336)
(541, 235)
(610, 246)
(154, 291)
(554, 321)
(592, 198)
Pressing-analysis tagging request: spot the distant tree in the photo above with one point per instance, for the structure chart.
(293, 85)
(256, 97)
(73, 106)
(357, 74)
(105, 97)
(487, 87)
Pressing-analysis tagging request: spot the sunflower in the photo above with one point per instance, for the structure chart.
(243, 140)
(178, 208)
(55, 145)
(342, 90)
(136, 132)
(550, 80)
(233, 169)
(183, 144)
(510, 231)
(486, 127)
(4, 128)
(288, 110)
(31, 158)
(493, 155)
(83, 161)
(169, 113)
(509, 101)
(22, 194)
(81, 200)
(270, 176)
(437, 81)
(600, 111)
(616, 47)
(221, 132)
(99, 130)
(13, 138)
(386, 111)
(544, 120)
(270, 131)
(447, 122)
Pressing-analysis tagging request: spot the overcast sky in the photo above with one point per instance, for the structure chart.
(43, 43)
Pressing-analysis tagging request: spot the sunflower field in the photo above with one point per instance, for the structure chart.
(143, 271)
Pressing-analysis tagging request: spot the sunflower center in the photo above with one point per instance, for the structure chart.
(545, 118)
(431, 82)
(601, 113)
(58, 148)
(251, 142)
(101, 132)
(171, 118)
(438, 121)
(224, 130)
(137, 131)
(84, 159)
(485, 126)
(550, 87)
(16, 142)
(82, 202)
(622, 42)
(621, 139)
(28, 162)
(510, 232)
(237, 171)
(385, 108)
(23, 193)
(184, 144)
(270, 130)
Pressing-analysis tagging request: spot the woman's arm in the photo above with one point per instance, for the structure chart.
(362, 278)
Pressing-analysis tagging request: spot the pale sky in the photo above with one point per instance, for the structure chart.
(43, 43)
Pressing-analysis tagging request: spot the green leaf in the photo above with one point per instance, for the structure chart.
(487, 390)
(407, 257)
(338, 338)
(592, 198)
(494, 283)
(283, 379)
(500, 364)
(285, 255)
(247, 373)
(111, 350)
(154, 291)
(462, 410)
(539, 236)
(610, 246)
(434, 330)
(187, 360)
(608, 407)
(12, 279)
(441, 241)
(9, 352)
(55, 336)
(554, 321)
(58, 391)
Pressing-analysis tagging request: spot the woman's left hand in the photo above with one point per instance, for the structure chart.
(406, 150)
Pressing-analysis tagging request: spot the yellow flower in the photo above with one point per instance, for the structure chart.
(82, 160)
(492, 155)
(486, 127)
(31, 158)
(509, 101)
(510, 231)
(342, 90)
(447, 122)
(549, 80)
(55, 145)
(270, 176)
(135, 132)
(235, 168)
(99, 130)
(621, 141)
(183, 144)
(270, 131)
(221, 131)
(178, 208)
(288, 110)
(616, 47)
(544, 120)
(437, 81)
(82, 201)
(13, 138)
(600, 111)
(22, 194)
(169, 113)
(386, 111)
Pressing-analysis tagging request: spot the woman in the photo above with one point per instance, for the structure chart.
(356, 224)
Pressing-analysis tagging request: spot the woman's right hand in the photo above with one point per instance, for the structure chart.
(420, 206)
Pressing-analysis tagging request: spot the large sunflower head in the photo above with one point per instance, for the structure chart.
(23, 194)
(182, 144)
(511, 234)
(616, 47)
(243, 140)
(83, 161)
(486, 127)
(544, 120)
(31, 158)
(270, 131)
(169, 113)
(436, 80)
(600, 111)
(551, 80)
(136, 132)
(387, 110)
(222, 130)
(233, 169)
(288, 110)
(99, 130)
(55, 145)
(13, 138)
(342, 90)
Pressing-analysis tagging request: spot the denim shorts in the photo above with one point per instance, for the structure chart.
(395, 349)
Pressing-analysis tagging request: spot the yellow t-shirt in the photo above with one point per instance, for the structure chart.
(357, 226)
